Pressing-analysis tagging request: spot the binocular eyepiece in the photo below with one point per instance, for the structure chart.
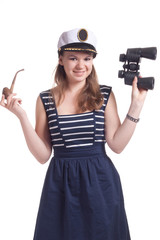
(131, 66)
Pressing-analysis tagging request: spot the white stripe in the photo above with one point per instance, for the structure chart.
(83, 120)
(77, 127)
(50, 115)
(58, 139)
(53, 127)
(100, 123)
(68, 134)
(100, 110)
(47, 97)
(75, 139)
(99, 135)
(50, 109)
(99, 116)
(55, 134)
(75, 115)
(104, 87)
(105, 93)
(57, 145)
(99, 129)
(100, 140)
(48, 103)
(79, 145)
(45, 92)
(52, 121)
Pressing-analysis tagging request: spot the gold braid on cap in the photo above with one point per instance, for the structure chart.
(78, 49)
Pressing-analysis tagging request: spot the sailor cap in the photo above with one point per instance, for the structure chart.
(78, 39)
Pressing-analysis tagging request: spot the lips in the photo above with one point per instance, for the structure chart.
(79, 73)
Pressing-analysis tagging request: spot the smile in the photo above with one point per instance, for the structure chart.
(78, 71)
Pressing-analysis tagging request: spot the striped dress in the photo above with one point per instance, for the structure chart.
(82, 196)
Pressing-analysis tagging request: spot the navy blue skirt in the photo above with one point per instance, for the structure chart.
(82, 198)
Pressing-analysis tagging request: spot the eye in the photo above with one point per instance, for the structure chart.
(73, 58)
(88, 59)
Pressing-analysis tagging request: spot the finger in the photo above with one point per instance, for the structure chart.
(135, 80)
(15, 102)
(9, 98)
(3, 97)
(18, 101)
(2, 102)
(134, 83)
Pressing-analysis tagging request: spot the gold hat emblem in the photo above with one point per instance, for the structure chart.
(82, 35)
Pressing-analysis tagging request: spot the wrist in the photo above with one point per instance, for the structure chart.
(135, 110)
(21, 115)
(135, 120)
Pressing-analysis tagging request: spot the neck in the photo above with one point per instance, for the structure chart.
(74, 88)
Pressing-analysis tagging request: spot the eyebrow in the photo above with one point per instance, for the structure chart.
(74, 55)
(71, 55)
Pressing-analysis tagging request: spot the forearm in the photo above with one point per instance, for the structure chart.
(37, 147)
(38, 140)
(118, 135)
(125, 131)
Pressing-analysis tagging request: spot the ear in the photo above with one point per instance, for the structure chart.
(61, 60)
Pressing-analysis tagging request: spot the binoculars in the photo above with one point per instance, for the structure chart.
(131, 66)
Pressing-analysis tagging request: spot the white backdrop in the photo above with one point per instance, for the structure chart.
(29, 31)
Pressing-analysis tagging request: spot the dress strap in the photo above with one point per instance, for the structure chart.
(47, 101)
(106, 91)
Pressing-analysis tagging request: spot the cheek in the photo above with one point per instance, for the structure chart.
(69, 66)
(66, 66)
(90, 68)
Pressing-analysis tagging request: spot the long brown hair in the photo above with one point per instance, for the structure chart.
(90, 97)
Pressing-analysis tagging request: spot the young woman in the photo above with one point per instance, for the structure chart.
(82, 197)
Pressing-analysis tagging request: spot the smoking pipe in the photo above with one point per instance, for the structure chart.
(6, 91)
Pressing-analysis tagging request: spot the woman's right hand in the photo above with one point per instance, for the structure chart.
(12, 104)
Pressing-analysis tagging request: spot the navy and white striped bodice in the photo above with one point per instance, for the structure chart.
(75, 130)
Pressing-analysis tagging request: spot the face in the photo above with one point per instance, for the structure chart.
(77, 65)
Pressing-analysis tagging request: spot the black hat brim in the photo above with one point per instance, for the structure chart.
(80, 47)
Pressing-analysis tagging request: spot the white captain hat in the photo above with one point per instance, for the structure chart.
(78, 39)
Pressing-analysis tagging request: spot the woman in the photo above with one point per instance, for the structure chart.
(82, 196)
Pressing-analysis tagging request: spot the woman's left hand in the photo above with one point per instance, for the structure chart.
(138, 95)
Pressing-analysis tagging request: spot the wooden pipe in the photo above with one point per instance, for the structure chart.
(6, 91)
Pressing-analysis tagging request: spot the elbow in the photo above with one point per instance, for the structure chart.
(116, 149)
(41, 160)
(44, 157)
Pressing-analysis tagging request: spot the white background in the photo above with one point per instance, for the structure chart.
(29, 31)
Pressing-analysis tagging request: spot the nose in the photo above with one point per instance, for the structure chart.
(80, 64)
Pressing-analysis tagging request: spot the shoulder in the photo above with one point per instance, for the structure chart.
(45, 94)
(102, 86)
(105, 89)
(46, 100)
(111, 104)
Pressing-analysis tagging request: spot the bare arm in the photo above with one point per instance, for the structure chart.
(118, 135)
(38, 140)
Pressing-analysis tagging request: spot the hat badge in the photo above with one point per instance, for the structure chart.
(82, 35)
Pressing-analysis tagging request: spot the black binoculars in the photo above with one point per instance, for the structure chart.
(131, 66)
